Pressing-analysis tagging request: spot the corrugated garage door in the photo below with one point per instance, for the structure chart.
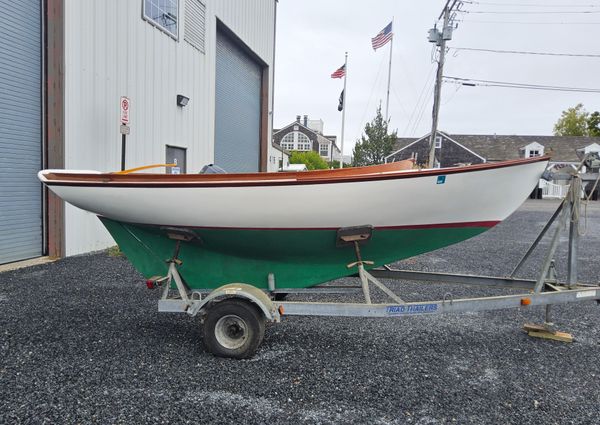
(20, 130)
(237, 108)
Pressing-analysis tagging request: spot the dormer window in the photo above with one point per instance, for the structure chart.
(532, 150)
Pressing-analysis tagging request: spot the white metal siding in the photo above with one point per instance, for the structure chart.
(20, 130)
(110, 51)
(275, 155)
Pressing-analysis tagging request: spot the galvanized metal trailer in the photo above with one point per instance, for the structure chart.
(234, 314)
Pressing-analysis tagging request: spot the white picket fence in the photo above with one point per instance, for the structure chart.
(553, 191)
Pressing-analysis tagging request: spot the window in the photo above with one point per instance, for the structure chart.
(164, 14)
(531, 150)
(296, 141)
(323, 149)
(438, 142)
(288, 142)
(304, 143)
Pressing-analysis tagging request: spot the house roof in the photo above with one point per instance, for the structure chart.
(289, 128)
(275, 131)
(279, 148)
(502, 147)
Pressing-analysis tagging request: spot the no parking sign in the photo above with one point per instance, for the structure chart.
(125, 104)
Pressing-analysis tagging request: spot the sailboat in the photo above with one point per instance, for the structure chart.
(245, 227)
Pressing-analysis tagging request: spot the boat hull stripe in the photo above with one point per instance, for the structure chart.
(487, 224)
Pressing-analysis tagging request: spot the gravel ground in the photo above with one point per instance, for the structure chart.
(81, 342)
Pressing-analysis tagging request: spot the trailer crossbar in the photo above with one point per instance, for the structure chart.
(523, 301)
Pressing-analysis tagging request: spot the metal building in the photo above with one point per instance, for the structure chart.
(64, 66)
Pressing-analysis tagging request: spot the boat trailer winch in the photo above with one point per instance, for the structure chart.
(234, 314)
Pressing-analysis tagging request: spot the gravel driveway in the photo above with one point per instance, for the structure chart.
(81, 342)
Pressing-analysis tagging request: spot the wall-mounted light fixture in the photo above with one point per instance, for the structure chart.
(182, 100)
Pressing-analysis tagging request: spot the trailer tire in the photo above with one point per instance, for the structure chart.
(233, 328)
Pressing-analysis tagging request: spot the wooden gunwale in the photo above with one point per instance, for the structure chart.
(378, 172)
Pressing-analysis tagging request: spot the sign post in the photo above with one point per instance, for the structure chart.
(124, 129)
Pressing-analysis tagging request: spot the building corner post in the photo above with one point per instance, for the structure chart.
(54, 146)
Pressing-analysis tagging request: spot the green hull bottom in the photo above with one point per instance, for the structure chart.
(297, 258)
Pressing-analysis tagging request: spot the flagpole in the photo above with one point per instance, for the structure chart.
(343, 110)
(387, 101)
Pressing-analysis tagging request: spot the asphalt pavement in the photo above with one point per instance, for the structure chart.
(81, 341)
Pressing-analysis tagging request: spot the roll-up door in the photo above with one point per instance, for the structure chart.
(20, 130)
(237, 108)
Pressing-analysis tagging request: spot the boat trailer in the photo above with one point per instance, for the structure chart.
(234, 315)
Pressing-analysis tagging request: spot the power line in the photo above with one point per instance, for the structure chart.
(490, 83)
(521, 52)
(529, 4)
(525, 23)
(424, 105)
(362, 120)
(399, 102)
(521, 12)
(424, 90)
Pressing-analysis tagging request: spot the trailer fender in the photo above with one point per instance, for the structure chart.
(243, 291)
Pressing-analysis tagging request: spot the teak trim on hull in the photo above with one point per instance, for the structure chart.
(54, 178)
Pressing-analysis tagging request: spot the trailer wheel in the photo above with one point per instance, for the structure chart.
(233, 328)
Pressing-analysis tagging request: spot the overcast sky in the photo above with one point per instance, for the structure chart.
(312, 37)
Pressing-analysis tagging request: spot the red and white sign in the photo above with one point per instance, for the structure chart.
(125, 104)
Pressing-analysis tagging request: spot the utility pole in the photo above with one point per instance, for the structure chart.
(440, 39)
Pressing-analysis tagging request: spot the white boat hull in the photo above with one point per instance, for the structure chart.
(487, 195)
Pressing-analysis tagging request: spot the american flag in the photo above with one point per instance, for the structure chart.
(382, 37)
(340, 72)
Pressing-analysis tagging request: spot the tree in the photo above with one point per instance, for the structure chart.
(375, 144)
(311, 159)
(572, 122)
(336, 164)
(593, 124)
